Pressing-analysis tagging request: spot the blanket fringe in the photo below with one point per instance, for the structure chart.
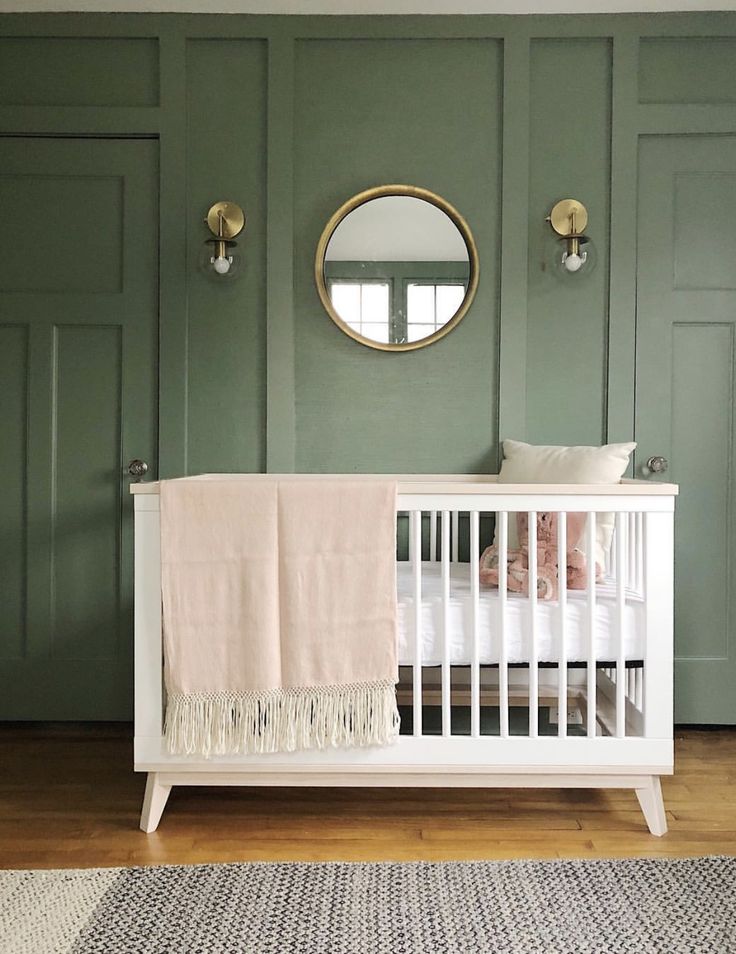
(281, 720)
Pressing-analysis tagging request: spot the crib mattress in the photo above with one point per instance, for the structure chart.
(518, 622)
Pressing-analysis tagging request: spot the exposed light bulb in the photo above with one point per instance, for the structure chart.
(221, 265)
(573, 262)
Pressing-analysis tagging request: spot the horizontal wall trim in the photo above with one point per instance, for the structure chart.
(128, 121)
(686, 118)
(374, 7)
(716, 22)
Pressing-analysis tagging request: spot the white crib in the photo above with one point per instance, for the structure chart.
(496, 689)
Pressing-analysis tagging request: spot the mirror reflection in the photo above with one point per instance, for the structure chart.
(397, 269)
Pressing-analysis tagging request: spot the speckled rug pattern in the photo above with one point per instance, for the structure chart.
(677, 906)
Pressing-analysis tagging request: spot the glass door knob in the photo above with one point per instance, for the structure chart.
(137, 468)
(657, 465)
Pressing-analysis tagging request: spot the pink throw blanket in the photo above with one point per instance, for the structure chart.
(279, 613)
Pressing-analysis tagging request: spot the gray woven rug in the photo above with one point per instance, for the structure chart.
(555, 907)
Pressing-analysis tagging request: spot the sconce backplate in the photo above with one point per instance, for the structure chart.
(560, 216)
(233, 219)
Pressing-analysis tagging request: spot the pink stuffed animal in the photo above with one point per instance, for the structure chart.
(517, 560)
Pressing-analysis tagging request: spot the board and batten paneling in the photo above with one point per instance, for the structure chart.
(78, 71)
(289, 116)
(567, 318)
(370, 112)
(226, 321)
(687, 70)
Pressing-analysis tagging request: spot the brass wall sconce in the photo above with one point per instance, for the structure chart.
(225, 220)
(569, 219)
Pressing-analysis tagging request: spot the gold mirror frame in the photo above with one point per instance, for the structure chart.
(378, 192)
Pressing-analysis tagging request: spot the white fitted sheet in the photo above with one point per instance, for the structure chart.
(518, 621)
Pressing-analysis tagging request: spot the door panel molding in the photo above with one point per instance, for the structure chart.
(83, 403)
(686, 364)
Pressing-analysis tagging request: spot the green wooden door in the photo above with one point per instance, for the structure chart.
(78, 397)
(685, 396)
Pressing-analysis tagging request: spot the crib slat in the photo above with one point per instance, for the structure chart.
(591, 686)
(623, 553)
(630, 522)
(445, 545)
(475, 609)
(534, 641)
(433, 536)
(609, 570)
(639, 584)
(416, 559)
(562, 621)
(455, 536)
(502, 519)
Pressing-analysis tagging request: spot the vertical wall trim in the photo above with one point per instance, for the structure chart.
(280, 371)
(622, 274)
(514, 239)
(173, 318)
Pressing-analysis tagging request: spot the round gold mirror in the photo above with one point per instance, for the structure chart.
(396, 267)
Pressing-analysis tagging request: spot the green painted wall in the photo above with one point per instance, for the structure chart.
(569, 149)
(289, 116)
(226, 156)
(375, 111)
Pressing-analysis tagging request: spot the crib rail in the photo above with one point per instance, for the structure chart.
(607, 705)
(619, 686)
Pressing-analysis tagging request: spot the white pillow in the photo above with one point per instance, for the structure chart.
(551, 464)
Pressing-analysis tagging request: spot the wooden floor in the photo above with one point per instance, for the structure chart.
(68, 798)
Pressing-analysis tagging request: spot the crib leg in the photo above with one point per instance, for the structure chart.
(650, 799)
(154, 802)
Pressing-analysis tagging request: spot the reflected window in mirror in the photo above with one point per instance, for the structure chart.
(430, 306)
(402, 301)
(364, 306)
(396, 267)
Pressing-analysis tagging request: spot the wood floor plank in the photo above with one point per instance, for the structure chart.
(68, 798)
